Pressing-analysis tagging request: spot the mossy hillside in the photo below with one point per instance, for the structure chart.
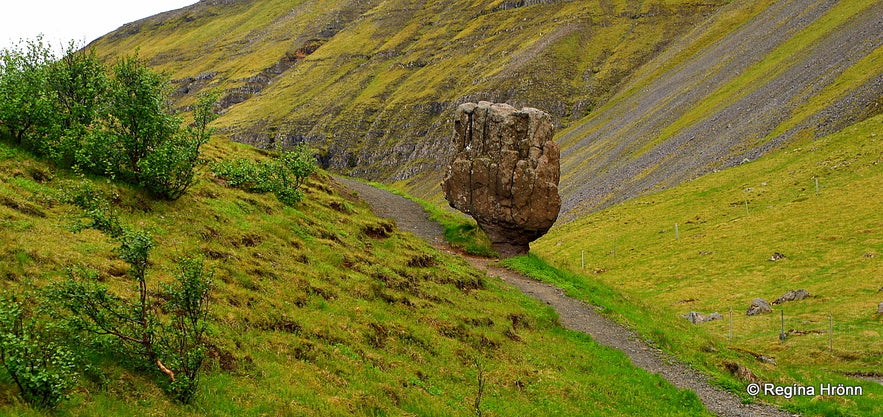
(706, 246)
(320, 309)
(187, 42)
(374, 96)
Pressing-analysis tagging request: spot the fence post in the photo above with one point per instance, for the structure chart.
(782, 334)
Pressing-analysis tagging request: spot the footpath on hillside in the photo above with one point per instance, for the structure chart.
(573, 314)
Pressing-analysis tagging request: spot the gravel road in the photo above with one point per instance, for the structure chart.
(574, 314)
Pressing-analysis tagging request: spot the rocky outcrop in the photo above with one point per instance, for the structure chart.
(505, 173)
(696, 317)
(758, 306)
(793, 295)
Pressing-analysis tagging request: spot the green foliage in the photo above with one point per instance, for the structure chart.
(169, 169)
(25, 105)
(95, 309)
(245, 174)
(80, 85)
(283, 176)
(44, 370)
(184, 340)
(177, 345)
(138, 121)
(95, 207)
(113, 121)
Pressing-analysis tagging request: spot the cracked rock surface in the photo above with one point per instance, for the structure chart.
(505, 173)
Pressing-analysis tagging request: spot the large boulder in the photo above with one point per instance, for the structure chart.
(505, 173)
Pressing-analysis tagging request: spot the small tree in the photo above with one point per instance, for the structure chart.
(139, 119)
(184, 338)
(43, 369)
(175, 346)
(294, 167)
(80, 85)
(98, 311)
(169, 169)
(25, 102)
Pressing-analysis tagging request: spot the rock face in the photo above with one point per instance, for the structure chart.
(505, 173)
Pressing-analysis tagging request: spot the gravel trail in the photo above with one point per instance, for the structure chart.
(574, 314)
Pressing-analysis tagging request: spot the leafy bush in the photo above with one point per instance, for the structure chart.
(169, 170)
(44, 370)
(282, 176)
(175, 346)
(111, 121)
(184, 340)
(95, 207)
(25, 105)
(245, 174)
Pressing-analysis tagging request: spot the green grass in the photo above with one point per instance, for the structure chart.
(311, 315)
(697, 248)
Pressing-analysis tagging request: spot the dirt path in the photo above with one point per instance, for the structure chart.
(574, 314)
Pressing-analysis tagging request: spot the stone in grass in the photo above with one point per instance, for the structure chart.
(777, 256)
(696, 317)
(880, 308)
(759, 306)
(793, 295)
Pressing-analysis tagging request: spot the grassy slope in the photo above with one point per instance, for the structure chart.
(719, 260)
(314, 316)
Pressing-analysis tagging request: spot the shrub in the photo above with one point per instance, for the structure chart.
(79, 85)
(175, 346)
(245, 174)
(282, 176)
(25, 105)
(111, 121)
(44, 370)
(184, 338)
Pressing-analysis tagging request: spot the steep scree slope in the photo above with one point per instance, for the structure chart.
(796, 69)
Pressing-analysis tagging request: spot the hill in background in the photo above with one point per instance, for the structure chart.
(634, 85)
